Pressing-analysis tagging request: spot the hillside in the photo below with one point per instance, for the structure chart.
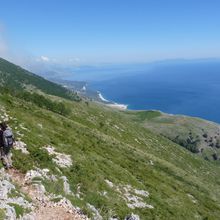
(82, 88)
(101, 161)
(16, 78)
(197, 135)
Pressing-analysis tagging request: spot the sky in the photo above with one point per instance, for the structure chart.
(83, 32)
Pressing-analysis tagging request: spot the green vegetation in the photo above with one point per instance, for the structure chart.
(18, 209)
(141, 116)
(119, 150)
(43, 102)
(191, 142)
(55, 187)
(196, 135)
(107, 144)
(15, 78)
(2, 214)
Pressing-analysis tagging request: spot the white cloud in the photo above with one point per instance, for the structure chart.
(45, 59)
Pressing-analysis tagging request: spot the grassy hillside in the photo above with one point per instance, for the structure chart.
(16, 78)
(105, 146)
(195, 134)
(116, 166)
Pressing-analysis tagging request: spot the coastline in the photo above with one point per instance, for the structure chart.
(118, 106)
(112, 104)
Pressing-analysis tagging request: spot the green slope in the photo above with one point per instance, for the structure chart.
(132, 155)
(110, 151)
(195, 134)
(16, 78)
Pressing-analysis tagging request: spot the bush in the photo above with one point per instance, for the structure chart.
(191, 143)
(43, 102)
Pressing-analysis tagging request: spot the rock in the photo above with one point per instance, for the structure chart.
(151, 163)
(133, 197)
(62, 160)
(66, 186)
(109, 183)
(22, 127)
(135, 201)
(141, 192)
(65, 203)
(19, 145)
(40, 125)
(40, 189)
(192, 198)
(78, 192)
(10, 213)
(132, 217)
(28, 216)
(6, 187)
(41, 173)
(96, 214)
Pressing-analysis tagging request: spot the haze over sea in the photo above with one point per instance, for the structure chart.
(177, 87)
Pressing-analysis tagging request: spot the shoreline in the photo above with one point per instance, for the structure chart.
(118, 106)
(112, 104)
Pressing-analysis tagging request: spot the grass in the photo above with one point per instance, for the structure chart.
(120, 150)
(141, 116)
(18, 209)
(196, 135)
(107, 144)
(2, 214)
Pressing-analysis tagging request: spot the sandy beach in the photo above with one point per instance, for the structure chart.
(118, 106)
(113, 105)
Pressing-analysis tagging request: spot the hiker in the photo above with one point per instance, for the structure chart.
(6, 143)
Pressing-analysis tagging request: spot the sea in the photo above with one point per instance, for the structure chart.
(176, 87)
(188, 87)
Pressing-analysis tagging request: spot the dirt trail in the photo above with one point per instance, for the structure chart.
(44, 209)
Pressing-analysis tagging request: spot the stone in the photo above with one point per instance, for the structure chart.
(96, 214)
(19, 145)
(62, 160)
(132, 217)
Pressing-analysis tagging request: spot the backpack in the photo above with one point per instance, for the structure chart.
(8, 138)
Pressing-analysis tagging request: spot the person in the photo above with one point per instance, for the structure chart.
(6, 143)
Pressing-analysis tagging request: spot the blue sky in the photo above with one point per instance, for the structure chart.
(109, 31)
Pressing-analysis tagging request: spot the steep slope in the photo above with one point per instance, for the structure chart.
(106, 164)
(117, 167)
(16, 78)
(195, 134)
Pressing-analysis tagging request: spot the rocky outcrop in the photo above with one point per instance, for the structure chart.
(133, 197)
(43, 201)
(132, 217)
(96, 214)
(62, 160)
(19, 145)
(9, 195)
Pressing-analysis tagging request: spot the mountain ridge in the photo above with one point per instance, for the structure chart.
(14, 76)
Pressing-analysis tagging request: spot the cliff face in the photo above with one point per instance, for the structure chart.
(79, 160)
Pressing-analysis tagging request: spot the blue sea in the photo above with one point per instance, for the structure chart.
(181, 87)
